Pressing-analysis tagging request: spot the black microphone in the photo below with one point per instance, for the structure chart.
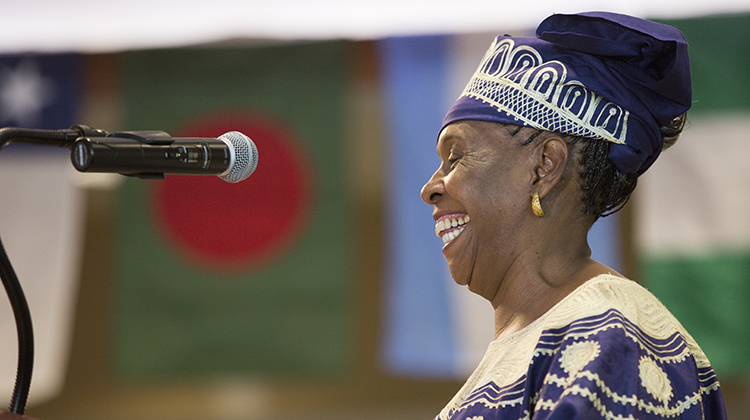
(151, 154)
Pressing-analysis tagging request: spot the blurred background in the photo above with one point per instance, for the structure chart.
(315, 289)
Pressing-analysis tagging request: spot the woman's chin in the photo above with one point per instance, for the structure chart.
(459, 277)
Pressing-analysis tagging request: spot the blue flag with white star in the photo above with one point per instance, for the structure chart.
(39, 90)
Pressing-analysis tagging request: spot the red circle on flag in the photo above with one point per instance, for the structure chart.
(231, 226)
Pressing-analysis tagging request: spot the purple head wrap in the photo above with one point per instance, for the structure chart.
(601, 75)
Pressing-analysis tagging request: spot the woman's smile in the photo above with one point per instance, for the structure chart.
(449, 226)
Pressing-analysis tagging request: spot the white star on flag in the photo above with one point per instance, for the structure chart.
(24, 93)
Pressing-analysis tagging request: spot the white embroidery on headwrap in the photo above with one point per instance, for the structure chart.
(518, 81)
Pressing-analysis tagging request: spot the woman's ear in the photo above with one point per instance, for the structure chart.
(551, 158)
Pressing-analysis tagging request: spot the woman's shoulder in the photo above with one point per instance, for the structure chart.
(609, 345)
(608, 291)
(623, 344)
(609, 301)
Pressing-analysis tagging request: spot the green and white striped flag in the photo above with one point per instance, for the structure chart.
(692, 207)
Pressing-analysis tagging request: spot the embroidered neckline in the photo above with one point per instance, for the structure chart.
(531, 327)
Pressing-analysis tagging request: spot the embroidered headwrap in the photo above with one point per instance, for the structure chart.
(600, 75)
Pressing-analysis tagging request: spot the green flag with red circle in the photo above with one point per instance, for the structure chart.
(254, 277)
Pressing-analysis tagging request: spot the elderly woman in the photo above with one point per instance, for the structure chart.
(550, 134)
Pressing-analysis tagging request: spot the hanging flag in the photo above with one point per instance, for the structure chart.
(692, 226)
(418, 313)
(246, 278)
(433, 327)
(41, 215)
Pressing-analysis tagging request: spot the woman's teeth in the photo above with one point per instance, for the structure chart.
(448, 229)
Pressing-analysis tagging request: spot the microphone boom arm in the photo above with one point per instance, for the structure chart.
(24, 328)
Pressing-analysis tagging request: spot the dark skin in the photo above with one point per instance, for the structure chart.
(523, 264)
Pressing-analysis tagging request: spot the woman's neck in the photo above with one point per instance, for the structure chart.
(529, 294)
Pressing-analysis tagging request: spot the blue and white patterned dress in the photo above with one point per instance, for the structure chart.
(609, 350)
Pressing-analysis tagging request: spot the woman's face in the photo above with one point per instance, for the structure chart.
(480, 198)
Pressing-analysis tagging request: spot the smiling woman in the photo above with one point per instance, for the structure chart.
(549, 135)
(481, 179)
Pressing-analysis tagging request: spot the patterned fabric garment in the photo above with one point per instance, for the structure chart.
(609, 350)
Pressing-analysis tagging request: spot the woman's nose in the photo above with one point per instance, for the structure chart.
(433, 189)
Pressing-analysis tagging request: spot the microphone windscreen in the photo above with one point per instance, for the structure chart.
(245, 156)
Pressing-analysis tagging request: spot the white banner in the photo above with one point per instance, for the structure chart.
(41, 226)
(93, 25)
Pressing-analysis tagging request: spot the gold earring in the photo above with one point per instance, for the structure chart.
(536, 206)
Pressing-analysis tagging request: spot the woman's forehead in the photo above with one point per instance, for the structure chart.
(474, 132)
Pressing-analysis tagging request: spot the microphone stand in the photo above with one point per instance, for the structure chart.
(59, 138)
